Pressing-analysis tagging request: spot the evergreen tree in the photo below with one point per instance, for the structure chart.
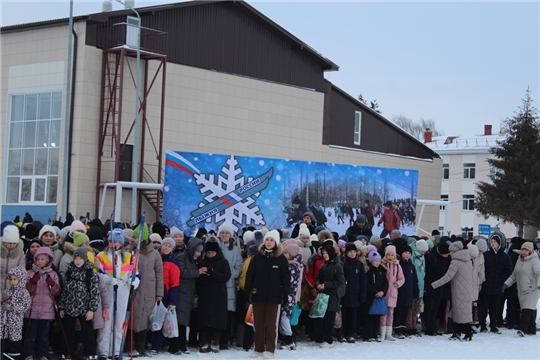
(514, 194)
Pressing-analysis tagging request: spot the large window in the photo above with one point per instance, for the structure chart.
(444, 198)
(33, 147)
(357, 127)
(446, 171)
(467, 233)
(469, 171)
(468, 202)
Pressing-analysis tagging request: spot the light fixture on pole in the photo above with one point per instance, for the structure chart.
(135, 161)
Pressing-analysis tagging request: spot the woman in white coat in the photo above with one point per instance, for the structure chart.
(527, 276)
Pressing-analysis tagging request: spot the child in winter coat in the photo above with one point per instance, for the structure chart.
(171, 284)
(407, 293)
(292, 253)
(355, 292)
(43, 285)
(12, 254)
(15, 301)
(394, 274)
(377, 287)
(79, 300)
(32, 248)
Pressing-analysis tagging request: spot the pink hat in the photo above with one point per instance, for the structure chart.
(390, 249)
(77, 226)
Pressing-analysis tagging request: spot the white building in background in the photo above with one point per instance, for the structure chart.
(464, 165)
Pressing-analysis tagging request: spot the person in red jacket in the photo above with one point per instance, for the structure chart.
(390, 219)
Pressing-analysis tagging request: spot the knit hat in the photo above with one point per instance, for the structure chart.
(473, 250)
(47, 228)
(313, 237)
(396, 232)
(289, 241)
(528, 245)
(199, 248)
(497, 239)
(95, 233)
(80, 252)
(35, 240)
(422, 245)
(211, 244)
(56, 230)
(373, 239)
(318, 229)
(155, 237)
(79, 238)
(371, 248)
(303, 231)
(390, 249)
(443, 248)
(64, 232)
(374, 256)
(258, 237)
(76, 225)
(286, 233)
(292, 249)
(481, 244)
(31, 231)
(274, 235)
(3, 225)
(11, 234)
(296, 200)
(128, 236)
(349, 247)
(341, 243)
(310, 214)
(455, 246)
(169, 241)
(328, 246)
(176, 231)
(135, 233)
(117, 235)
(158, 228)
(252, 250)
(226, 227)
(359, 246)
(430, 243)
(361, 218)
(248, 236)
(362, 237)
(406, 248)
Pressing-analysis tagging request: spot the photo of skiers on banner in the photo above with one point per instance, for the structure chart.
(202, 190)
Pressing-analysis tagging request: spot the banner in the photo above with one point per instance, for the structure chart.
(204, 190)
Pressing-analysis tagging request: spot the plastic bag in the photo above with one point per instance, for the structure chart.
(158, 316)
(170, 325)
(378, 307)
(295, 314)
(319, 306)
(249, 315)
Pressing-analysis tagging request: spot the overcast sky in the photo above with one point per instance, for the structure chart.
(462, 64)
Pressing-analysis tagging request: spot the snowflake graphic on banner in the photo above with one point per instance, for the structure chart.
(230, 196)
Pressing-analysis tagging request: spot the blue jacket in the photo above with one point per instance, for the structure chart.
(355, 275)
(419, 262)
(498, 267)
(409, 291)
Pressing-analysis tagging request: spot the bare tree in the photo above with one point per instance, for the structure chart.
(416, 128)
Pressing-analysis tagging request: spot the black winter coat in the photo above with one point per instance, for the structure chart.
(355, 277)
(498, 268)
(212, 292)
(354, 231)
(436, 267)
(268, 278)
(409, 291)
(189, 273)
(331, 275)
(376, 281)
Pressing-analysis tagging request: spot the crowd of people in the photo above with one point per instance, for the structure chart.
(88, 289)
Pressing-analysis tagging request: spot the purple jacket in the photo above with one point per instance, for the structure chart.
(42, 307)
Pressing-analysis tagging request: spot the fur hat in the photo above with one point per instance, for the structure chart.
(528, 245)
(47, 228)
(292, 249)
(456, 246)
(350, 247)
(303, 231)
(390, 249)
(79, 238)
(76, 225)
(175, 231)
(117, 235)
(211, 244)
(473, 250)
(248, 236)
(80, 252)
(274, 235)
(482, 246)
(226, 227)
(422, 245)
(169, 241)
(11, 234)
(374, 256)
(155, 237)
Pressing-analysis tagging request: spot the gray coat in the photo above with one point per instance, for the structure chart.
(479, 275)
(527, 275)
(460, 274)
(189, 273)
(234, 257)
(150, 268)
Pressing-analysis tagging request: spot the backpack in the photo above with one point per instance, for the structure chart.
(88, 278)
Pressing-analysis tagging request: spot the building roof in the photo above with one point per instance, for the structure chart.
(244, 6)
(464, 144)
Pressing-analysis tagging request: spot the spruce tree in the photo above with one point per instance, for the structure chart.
(514, 194)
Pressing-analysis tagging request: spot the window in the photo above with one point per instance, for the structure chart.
(469, 171)
(443, 198)
(33, 149)
(468, 202)
(446, 171)
(132, 31)
(467, 233)
(357, 127)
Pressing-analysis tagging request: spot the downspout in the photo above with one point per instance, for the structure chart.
(72, 106)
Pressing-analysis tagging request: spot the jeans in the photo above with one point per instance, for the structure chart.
(36, 341)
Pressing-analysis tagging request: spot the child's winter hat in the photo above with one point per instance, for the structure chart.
(57, 230)
(45, 229)
(44, 250)
(359, 246)
(79, 238)
(371, 248)
(292, 249)
(248, 236)
(390, 249)
(362, 237)
(350, 247)
(135, 233)
(11, 234)
(155, 237)
(80, 252)
(482, 245)
(35, 240)
(169, 241)
(303, 231)
(77, 226)
(373, 239)
(473, 250)
(374, 256)
(176, 231)
(528, 245)
(341, 244)
(20, 273)
(422, 245)
(406, 248)
(117, 235)
(226, 227)
(313, 237)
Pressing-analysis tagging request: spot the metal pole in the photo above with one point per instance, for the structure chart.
(65, 180)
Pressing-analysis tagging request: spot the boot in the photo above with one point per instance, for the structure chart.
(139, 347)
(398, 332)
(204, 338)
(467, 328)
(389, 336)
(383, 333)
(215, 342)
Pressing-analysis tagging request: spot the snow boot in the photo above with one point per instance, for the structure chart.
(383, 333)
(389, 336)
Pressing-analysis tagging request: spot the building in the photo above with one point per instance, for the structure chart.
(464, 164)
(216, 76)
